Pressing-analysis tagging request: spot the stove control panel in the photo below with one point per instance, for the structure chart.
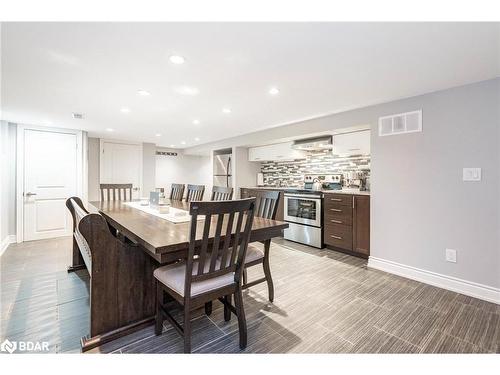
(335, 178)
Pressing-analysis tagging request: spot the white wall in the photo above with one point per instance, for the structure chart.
(93, 168)
(183, 169)
(148, 168)
(244, 171)
(7, 184)
(420, 205)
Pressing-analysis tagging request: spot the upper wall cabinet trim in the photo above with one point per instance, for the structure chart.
(401, 123)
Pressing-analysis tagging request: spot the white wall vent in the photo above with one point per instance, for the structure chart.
(409, 122)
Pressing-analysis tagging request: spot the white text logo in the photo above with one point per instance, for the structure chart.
(24, 346)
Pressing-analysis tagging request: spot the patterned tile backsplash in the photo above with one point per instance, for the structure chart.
(291, 173)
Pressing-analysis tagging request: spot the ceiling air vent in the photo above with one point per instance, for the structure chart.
(78, 116)
(409, 122)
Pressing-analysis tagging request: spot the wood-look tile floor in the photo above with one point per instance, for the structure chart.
(326, 302)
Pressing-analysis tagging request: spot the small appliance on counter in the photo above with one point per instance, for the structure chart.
(357, 179)
(260, 179)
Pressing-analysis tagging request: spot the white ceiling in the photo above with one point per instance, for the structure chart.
(50, 70)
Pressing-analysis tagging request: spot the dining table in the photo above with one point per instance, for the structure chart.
(123, 287)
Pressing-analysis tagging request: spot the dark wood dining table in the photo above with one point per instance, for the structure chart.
(149, 242)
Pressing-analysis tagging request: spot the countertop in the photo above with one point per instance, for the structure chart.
(343, 191)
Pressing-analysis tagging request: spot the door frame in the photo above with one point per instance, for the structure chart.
(81, 161)
(131, 143)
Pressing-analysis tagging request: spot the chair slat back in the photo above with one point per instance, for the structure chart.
(116, 192)
(177, 192)
(195, 193)
(266, 204)
(226, 253)
(222, 193)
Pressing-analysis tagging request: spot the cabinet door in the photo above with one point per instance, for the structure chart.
(361, 224)
(278, 151)
(257, 153)
(357, 143)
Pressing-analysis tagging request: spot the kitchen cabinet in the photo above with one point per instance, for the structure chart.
(361, 224)
(356, 143)
(275, 152)
(280, 213)
(347, 222)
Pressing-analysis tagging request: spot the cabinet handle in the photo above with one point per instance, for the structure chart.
(336, 237)
(336, 199)
(353, 201)
(336, 221)
(335, 210)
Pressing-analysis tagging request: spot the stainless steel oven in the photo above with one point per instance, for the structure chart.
(303, 213)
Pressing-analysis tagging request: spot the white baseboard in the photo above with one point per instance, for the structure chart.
(6, 242)
(454, 284)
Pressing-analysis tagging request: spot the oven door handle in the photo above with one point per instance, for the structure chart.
(310, 197)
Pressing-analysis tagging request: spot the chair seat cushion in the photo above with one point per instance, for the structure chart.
(173, 276)
(253, 253)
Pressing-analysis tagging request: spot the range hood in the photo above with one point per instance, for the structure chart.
(311, 144)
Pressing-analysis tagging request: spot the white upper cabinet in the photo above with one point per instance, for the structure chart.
(276, 152)
(357, 143)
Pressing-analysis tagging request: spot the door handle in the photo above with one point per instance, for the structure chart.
(135, 189)
(29, 194)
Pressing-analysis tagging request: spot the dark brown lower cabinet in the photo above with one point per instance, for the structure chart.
(347, 223)
(361, 225)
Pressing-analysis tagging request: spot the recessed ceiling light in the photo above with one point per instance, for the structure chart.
(110, 130)
(226, 110)
(125, 110)
(274, 91)
(187, 90)
(196, 122)
(197, 139)
(183, 142)
(157, 135)
(143, 93)
(176, 59)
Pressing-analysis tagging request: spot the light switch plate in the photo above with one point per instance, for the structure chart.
(471, 174)
(451, 255)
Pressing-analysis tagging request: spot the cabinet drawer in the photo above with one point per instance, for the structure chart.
(341, 215)
(338, 235)
(339, 199)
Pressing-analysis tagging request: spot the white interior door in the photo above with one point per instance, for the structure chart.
(50, 177)
(121, 163)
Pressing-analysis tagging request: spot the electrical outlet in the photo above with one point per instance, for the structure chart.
(451, 255)
(471, 174)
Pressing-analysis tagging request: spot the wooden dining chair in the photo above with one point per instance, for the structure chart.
(222, 193)
(266, 206)
(177, 192)
(214, 272)
(195, 192)
(116, 192)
